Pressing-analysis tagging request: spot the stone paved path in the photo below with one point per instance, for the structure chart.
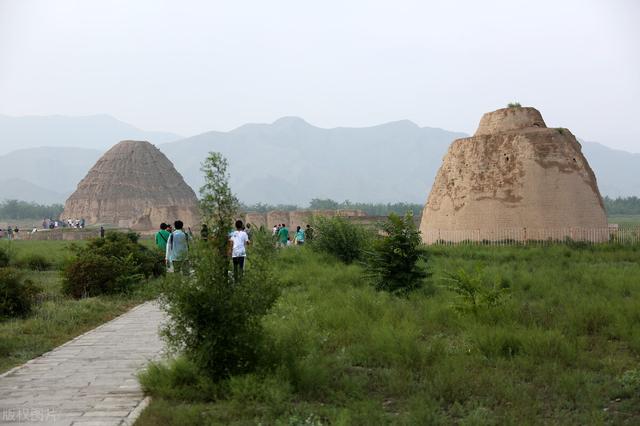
(90, 380)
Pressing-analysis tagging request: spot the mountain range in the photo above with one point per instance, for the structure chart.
(89, 132)
(288, 161)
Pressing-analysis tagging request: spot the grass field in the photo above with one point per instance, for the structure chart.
(563, 347)
(56, 318)
(625, 220)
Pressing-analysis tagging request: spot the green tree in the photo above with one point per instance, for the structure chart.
(217, 202)
(324, 204)
(214, 321)
(394, 262)
(628, 205)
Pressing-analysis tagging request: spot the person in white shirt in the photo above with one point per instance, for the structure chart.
(240, 240)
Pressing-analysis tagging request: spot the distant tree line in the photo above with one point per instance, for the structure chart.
(263, 208)
(16, 210)
(620, 205)
(371, 209)
(626, 205)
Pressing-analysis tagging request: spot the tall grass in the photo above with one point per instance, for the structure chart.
(562, 348)
(55, 318)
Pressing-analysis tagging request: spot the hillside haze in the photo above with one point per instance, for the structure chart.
(292, 161)
(89, 132)
(288, 161)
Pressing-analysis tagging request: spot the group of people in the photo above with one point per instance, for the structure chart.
(175, 243)
(10, 233)
(63, 223)
(283, 239)
(13, 232)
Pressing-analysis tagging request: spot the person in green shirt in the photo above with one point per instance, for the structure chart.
(162, 236)
(283, 235)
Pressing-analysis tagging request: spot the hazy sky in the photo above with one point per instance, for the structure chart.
(193, 66)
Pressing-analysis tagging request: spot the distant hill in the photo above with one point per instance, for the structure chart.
(93, 131)
(19, 189)
(617, 172)
(54, 170)
(291, 161)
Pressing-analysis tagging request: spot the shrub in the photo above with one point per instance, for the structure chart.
(177, 379)
(4, 258)
(92, 274)
(393, 262)
(109, 265)
(16, 294)
(33, 261)
(122, 245)
(514, 105)
(630, 382)
(340, 238)
(214, 320)
(474, 292)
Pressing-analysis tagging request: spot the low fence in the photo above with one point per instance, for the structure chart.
(524, 236)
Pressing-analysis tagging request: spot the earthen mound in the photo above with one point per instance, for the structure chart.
(133, 185)
(514, 179)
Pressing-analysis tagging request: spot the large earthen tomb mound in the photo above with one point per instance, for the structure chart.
(514, 179)
(133, 185)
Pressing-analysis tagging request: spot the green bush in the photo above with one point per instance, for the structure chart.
(514, 105)
(393, 261)
(92, 274)
(110, 265)
(122, 245)
(630, 382)
(114, 264)
(341, 238)
(4, 258)
(474, 292)
(178, 379)
(16, 294)
(33, 261)
(215, 321)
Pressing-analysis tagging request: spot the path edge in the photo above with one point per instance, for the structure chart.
(136, 412)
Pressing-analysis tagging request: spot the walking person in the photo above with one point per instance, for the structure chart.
(299, 237)
(162, 237)
(249, 231)
(309, 233)
(240, 240)
(283, 235)
(177, 254)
